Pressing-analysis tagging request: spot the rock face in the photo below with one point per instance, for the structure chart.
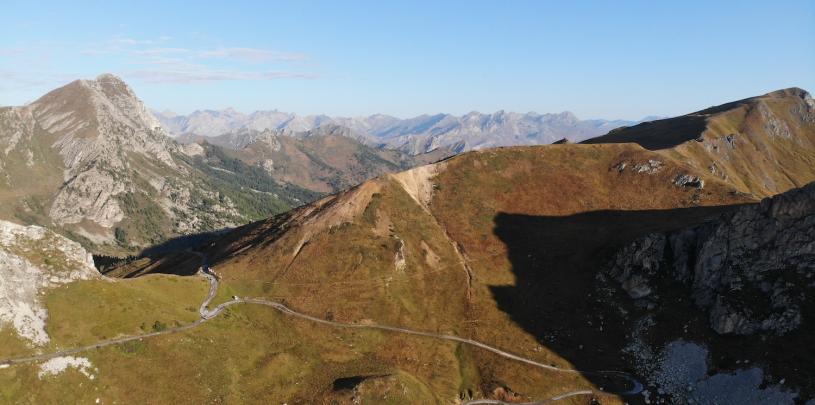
(98, 156)
(751, 270)
(413, 135)
(90, 159)
(33, 259)
(96, 124)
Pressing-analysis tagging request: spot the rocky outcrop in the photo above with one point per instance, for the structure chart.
(751, 270)
(91, 194)
(651, 166)
(98, 124)
(33, 259)
(687, 180)
(89, 158)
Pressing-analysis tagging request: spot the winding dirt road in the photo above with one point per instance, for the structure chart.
(207, 314)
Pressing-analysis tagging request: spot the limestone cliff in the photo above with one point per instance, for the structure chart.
(751, 270)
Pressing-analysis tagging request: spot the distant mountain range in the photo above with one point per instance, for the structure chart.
(413, 135)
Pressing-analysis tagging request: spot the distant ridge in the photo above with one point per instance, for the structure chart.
(758, 144)
(413, 135)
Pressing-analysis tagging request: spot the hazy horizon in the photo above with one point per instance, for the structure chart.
(402, 60)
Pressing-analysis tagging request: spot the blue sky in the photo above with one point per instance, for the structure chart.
(597, 59)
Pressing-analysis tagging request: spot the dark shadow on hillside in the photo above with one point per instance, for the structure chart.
(556, 261)
(172, 256)
(659, 134)
(178, 255)
(184, 242)
(669, 132)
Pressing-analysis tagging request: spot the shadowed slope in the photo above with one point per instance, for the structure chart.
(556, 295)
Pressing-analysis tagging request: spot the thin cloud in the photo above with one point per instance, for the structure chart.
(130, 41)
(10, 52)
(156, 61)
(157, 48)
(10, 80)
(15, 80)
(161, 51)
(205, 75)
(253, 55)
(95, 52)
(119, 45)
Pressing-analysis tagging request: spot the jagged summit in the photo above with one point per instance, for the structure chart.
(83, 106)
(791, 91)
(109, 79)
(415, 135)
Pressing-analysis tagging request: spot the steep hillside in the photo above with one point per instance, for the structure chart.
(322, 160)
(326, 159)
(53, 299)
(89, 160)
(762, 145)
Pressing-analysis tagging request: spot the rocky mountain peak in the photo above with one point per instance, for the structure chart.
(416, 135)
(81, 106)
(791, 92)
(112, 83)
(113, 90)
(328, 130)
(567, 116)
(100, 120)
(96, 128)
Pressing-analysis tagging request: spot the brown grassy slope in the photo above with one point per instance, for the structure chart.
(348, 248)
(762, 145)
(325, 163)
(338, 258)
(73, 104)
